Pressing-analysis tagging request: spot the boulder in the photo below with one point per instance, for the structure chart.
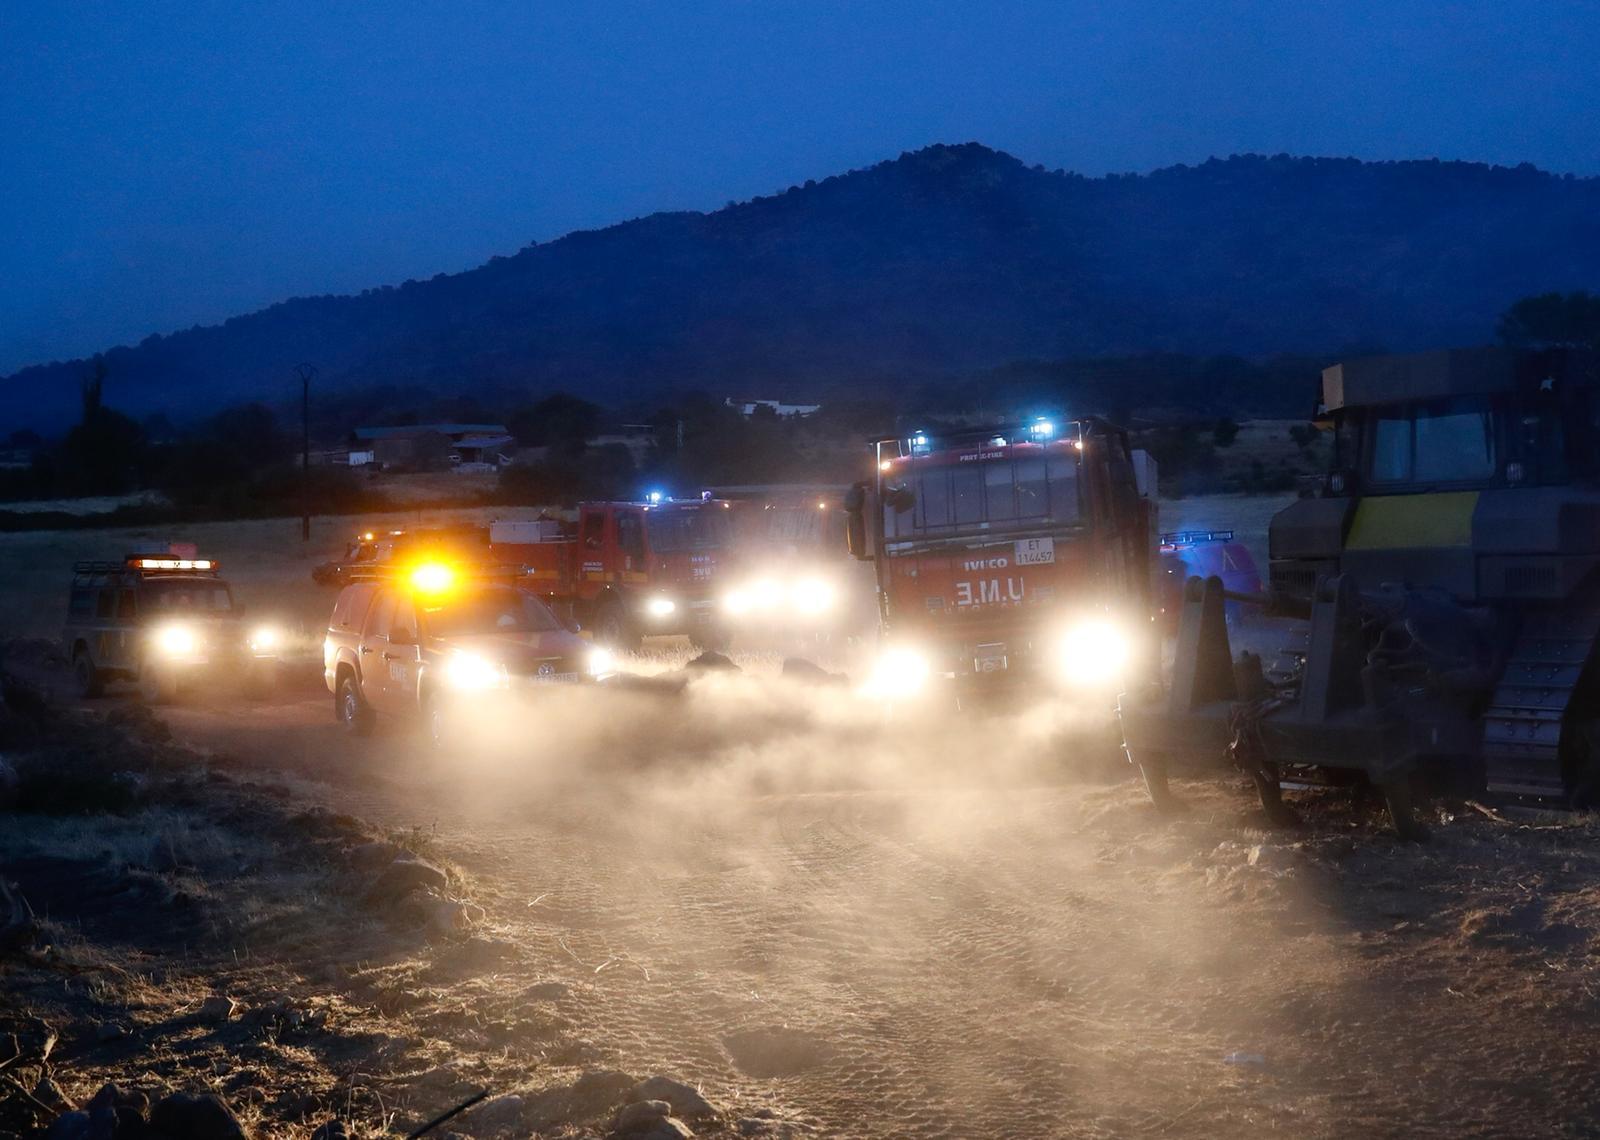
(548, 991)
(330, 1130)
(370, 857)
(669, 1128)
(217, 1008)
(499, 1113)
(640, 1116)
(713, 660)
(191, 1116)
(685, 1100)
(69, 1126)
(405, 875)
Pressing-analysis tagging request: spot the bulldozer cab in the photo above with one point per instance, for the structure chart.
(1442, 460)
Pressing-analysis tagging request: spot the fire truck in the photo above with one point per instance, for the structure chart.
(627, 570)
(1017, 554)
(794, 580)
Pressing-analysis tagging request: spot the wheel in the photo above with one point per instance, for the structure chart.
(613, 629)
(157, 686)
(1279, 814)
(87, 678)
(1153, 770)
(351, 709)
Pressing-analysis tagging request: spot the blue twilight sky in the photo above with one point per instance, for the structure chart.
(165, 164)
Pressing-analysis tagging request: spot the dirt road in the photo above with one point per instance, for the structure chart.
(938, 927)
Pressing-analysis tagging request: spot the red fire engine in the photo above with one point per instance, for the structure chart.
(1011, 553)
(628, 570)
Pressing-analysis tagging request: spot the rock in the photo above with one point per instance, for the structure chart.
(810, 673)
(446, 915)
(370, 857)
(217, 1008)
(69, 1126)
(597, 1092)
(640, 1116)
(499, 1113)
(190, 1116)
(109, 1031)
(331, 1130)
(46, 1091)
(547, 991)
(112, 1096)
(713, 660)
(668, 1128)
(404, 876)
(685, 1100)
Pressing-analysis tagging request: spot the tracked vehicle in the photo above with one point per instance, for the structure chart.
(1446, 586)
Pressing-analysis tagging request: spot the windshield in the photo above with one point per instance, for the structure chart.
(1022, 489)
(1451, 441)
(703, 528)
(491, 609)
(185, 595)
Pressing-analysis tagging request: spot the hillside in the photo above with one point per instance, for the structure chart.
(949, 259)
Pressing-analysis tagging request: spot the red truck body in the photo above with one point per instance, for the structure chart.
(991, 546)
(629, 569)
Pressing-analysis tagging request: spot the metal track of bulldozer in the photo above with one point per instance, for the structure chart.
(1522, 726)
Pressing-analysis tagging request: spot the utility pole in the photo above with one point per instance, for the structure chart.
(305, 372)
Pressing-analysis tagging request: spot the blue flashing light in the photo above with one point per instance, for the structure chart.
(919, 443)
(1042, 429)
(653, 496)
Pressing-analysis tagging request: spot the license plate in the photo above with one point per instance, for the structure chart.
(1036, 551)
(555, 678)
(990, 658)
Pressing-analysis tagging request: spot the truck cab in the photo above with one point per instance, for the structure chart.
(1014, 553)
(430, 642)
(167, 621)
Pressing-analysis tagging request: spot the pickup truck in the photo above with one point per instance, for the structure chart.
(433, 645)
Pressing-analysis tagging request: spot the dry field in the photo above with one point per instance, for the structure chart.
(828, 918)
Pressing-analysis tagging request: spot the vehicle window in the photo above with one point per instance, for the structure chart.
(404, 621)
(1062, 471)
(966, 495)
(1033, 492)
(1445, 442)
(999, 492)
(81, 604)
(695, 529)
(1454, 443)
(488, 610)
(352, 607)
(1391, 449)
(630, 537)
(382, 617)
(594, 530)
(933, 498)
(186, 595)
(127, 609)
(104, 600)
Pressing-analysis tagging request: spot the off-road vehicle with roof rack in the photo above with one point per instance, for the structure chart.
(167, 621)
(427, 641)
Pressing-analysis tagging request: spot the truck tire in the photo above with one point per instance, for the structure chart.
(613, 629)
(157, 686)
(89, 681)
(435, 723)
(350, 709)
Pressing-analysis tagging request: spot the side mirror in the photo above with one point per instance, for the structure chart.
(573, 625)
(402, 637)
(855, 522)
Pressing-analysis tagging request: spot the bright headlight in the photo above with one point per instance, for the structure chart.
(1094, 653)
(265, 638)
(898, 672)
(766, 594)
(736, 602)
(470, 671)
(660, 607)
(176, 640)
(601, 662)
(811, 596)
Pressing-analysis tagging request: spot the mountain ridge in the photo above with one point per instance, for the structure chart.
(945, 259)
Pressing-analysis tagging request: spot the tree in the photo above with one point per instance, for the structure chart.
(1553, 320)
(562, 422)
(1225, 432)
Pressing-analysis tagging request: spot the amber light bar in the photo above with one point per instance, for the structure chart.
(173, 563)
